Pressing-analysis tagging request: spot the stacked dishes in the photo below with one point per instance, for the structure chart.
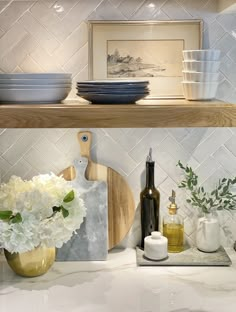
(200, 74)
(34, 88)
(113, 91)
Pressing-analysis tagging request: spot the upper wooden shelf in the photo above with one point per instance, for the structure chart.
(226, 5)
(158, 113)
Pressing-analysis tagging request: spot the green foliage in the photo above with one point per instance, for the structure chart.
(221, 198)
(17, 218)
(7, 215)
(69, 197)
(65, 212)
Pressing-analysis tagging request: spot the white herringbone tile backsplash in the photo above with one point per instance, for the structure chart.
(41, 36)
(211, 152)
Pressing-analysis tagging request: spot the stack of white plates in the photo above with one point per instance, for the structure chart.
(200, 74)
(34, 88)
(113, 91)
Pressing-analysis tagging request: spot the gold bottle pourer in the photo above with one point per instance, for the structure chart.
(149, 157)
(172, 207)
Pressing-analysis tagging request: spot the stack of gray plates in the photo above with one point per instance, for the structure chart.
(113, 91)
(34, 88)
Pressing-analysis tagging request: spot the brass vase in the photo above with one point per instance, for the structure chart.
(31, 263)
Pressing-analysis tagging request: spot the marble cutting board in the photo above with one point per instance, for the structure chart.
(91, 240)
(189, 257)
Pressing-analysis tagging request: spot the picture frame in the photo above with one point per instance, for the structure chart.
(144, 50)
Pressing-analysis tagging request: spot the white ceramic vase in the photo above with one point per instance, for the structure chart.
(208, 233)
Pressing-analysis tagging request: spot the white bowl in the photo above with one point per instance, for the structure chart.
(200, 76)
(44, 81)
(21, 87)
(201, 66)
(199, 90)
(36, 76)
(31, 96)
(201, 55)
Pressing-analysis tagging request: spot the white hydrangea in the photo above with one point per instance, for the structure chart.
(34, 201)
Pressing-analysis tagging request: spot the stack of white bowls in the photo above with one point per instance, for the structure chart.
(200, 74)
(34, 88)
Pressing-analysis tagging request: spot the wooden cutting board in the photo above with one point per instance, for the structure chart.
(121, 208)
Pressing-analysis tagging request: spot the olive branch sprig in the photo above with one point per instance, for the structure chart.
(220, 198)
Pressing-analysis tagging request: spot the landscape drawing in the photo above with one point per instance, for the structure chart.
(144, 58)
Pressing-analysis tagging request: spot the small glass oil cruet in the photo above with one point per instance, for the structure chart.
(173, 227)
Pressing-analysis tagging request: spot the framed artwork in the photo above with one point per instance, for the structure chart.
(149, 50)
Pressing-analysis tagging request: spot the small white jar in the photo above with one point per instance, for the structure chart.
(155, 246)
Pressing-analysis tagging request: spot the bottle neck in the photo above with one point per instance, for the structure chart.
(150, 174)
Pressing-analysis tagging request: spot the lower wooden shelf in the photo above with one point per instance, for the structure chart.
(148, 113)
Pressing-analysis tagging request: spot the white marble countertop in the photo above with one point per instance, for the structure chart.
(118, 285)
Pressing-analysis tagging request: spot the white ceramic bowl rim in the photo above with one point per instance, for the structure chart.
(35, 75)
(194, 61)
(195, 72)
(36, 90)
(59, 80)
(201, 50)
(201, 82)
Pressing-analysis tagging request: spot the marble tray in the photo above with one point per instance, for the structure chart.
(189, 257)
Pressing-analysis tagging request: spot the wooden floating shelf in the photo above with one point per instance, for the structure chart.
(226, 5)
(148, 113)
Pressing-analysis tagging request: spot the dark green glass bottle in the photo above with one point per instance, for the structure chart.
(150, 202)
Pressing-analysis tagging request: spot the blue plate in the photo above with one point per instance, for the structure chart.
(113, 85)
(112, 98)
(113, 81)
(114, 91)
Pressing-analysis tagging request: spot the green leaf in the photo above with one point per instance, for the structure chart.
(69, 197)
(5, 215)
(225, 188)
(180, 165)
(188, 201)
(182, 185)
(17, 218)
(65, 212)
(189, 184)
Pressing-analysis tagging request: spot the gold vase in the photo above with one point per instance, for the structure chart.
(31, 263)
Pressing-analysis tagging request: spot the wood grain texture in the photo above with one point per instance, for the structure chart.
(121, 207)
(94, 171)
(149, 113)
(226, 4)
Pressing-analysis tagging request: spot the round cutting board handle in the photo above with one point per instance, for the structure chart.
(85, 140)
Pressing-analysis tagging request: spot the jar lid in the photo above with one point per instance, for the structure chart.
(156, 235)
